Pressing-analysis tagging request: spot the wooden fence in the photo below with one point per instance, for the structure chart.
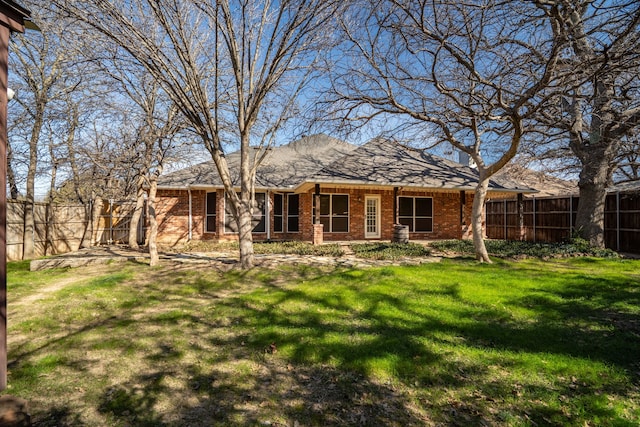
(66, 228)
(57, 228)
(114, 223)
(552, 219)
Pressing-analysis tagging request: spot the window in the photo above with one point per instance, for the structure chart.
(277, 213)
(293, 213)
(210, 214)
(416, 212)
(259, 223)
(334, 212)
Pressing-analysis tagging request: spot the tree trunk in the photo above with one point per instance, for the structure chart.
(153, 224)
(98, 204)
(29, 220)
(594, 179)
(29, 226)
(75, 174)
(245, 228)
(135, 218)
(11, 176)
(476, 220)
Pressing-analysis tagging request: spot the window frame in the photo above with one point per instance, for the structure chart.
(297, 215)
(263, 219)
(213, 215)
(331, 216)
(414, 216)
(278, 218)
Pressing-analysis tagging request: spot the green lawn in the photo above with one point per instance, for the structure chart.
(454, 343)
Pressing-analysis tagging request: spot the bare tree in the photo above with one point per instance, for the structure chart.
(599, 106)
(628, 162)
(470, 73)
(234, 69)
(157, 123)
(40, 79)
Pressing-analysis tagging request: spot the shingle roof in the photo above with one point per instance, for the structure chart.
(325, 160)
(383, 162)
(284, 167)
(625, 187)
(546, 185)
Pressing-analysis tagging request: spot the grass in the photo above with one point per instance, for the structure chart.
(520, 343)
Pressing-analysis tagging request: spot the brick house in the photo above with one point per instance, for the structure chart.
(355, 192)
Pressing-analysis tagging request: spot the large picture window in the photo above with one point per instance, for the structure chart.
(259, 223)
(278, 213)
(416, 212)
(334, 213)
(210, 214)
(293, 213)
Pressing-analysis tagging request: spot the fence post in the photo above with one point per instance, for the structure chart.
(520, 213)
(617, 220)
(570, 216)
(110, 221)
(504, 208)
(534, 219)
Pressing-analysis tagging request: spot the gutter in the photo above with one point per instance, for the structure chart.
(303, 185)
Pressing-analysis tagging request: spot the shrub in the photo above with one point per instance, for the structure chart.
(514, 249)
(389, 251)
(297, 248)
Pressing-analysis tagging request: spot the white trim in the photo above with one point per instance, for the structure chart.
(190, 219)
(304, 186)
(377, 198)
(267, 213)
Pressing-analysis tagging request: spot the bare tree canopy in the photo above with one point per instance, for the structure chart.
(598, 106)
(472, 73)
(234, 70)
(45, 77)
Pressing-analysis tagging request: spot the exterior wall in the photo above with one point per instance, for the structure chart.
(172, 213)
(173, 216)
(446, 214)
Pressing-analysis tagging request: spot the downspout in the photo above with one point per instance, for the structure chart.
(267, 214)
(190, 218)
(395, 205)
(316, 203)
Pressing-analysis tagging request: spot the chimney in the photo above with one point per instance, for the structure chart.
(465, 159)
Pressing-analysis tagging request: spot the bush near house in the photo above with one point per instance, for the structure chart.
(519, 249)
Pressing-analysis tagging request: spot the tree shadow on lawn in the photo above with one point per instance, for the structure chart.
(370, 356)
(395, 333)
(584, 320)
(275, 395)
(334, 344)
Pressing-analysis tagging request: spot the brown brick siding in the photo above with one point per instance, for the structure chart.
(173, 216)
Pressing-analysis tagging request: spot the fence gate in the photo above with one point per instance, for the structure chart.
(115, 221)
